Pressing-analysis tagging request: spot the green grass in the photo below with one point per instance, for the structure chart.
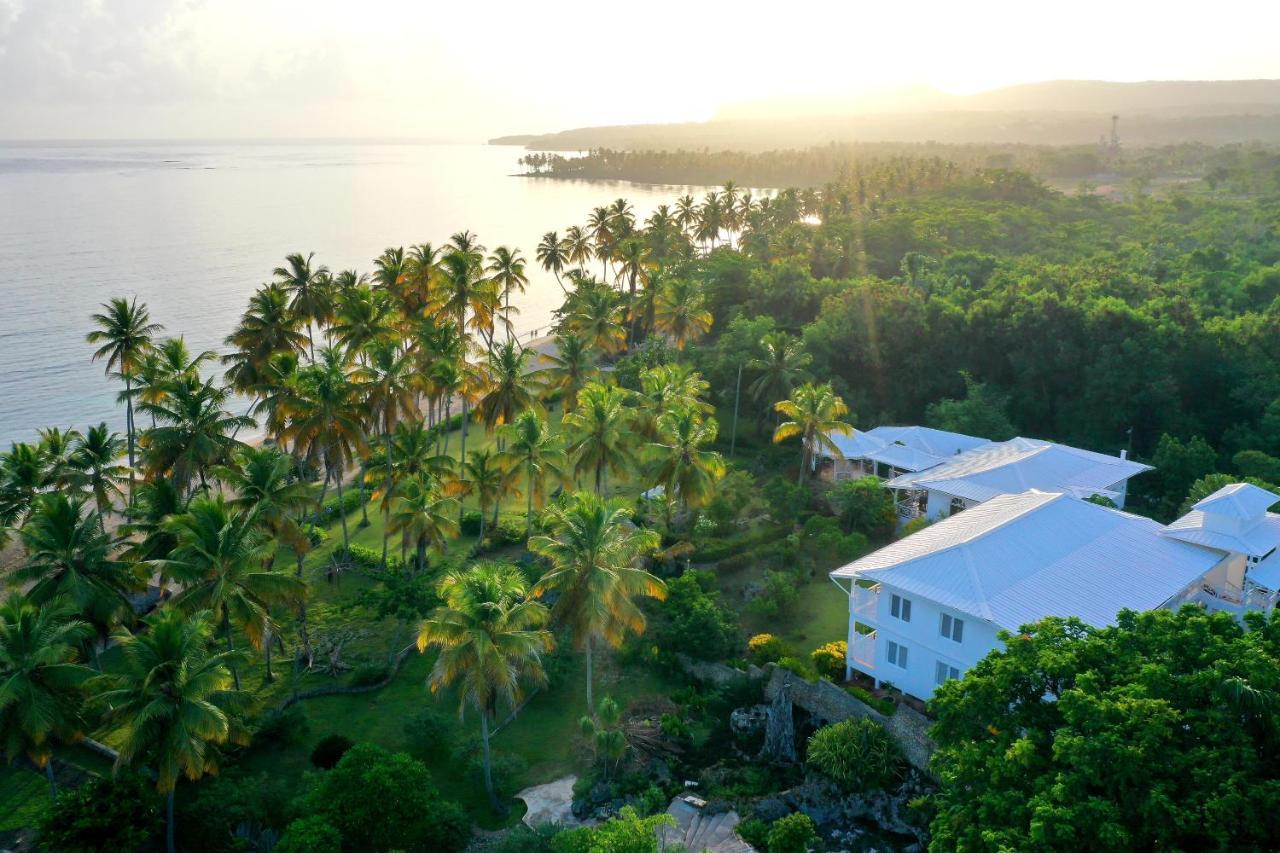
(24, 796)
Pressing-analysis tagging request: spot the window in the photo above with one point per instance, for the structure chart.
(897, 655)
(945, 672)
(957, 505)
(952, 629)
(900, 607)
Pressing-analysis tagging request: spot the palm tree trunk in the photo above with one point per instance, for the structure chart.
(422, 554)
(270, 677)
(342, 513)
(488, 764)
(462, 455)
(48, 774)
(483, 513)
(311, 342)
(591, 701)
(226, 629)
(528, 515)
(600, 476)
(128, 428)
(386, 497)
(168, 832)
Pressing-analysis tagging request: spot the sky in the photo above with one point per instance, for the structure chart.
(82, 69)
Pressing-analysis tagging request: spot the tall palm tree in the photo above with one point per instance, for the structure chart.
(422, 514)
(596, 314)
(391, 274)
(23, 477)
(686, 471)
(41, 680)
(510, 387)
(666, 388)
(172, 702)
(506, 270)
(193, 433)
(553, 255)
(267, 327)
(390, 390)
(600, 435)
(459, 292)
(681, 312)
(783, 365)
(491, 638)
(420, 280)
(577, 247)
(593, 551)
(813, 413)
(571, 365)
(309, 289)
(263, 482)
(687, 214)
(326, 419)
(95, 469)
(361, 317)
(486, 476)
(58, 447)
(599, 226)
(124, 333)
(532, 446)
(219, 556)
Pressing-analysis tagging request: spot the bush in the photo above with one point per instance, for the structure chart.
(830, 660)
(282, 727)
(777, 597)
(864, 506)
(430, 732)
(509, 531)
(786, 500)
(367, 674)
(332, 510)
(765, 648)
(210, 815)
(311, 834)
(716, 550)
(886, 707)
(315, 534)
(470, 523)
(792, 834)
(799, 666)
(329, 751)
(121, 813)
(856, 754)
(509, 771)
(692, 621)
(368, 559)
(755, 832)
(383, 801)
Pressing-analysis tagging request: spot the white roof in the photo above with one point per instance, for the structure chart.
(1266, 573)
(856, 445)
(1020, 557)
(1009, 467)
(1241, 501)
(909, 448)
(936, 442)
(906, 458)
(1232, 519)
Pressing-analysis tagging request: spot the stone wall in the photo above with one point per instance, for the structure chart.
(831, 704)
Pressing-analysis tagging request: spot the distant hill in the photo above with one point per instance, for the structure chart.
(1060, 112)
(514, 139)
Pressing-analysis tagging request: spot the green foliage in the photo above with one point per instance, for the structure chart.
(278, 728)
(1156, 733)
(470, 523)
(755, 832)
(333, 509)
(786, 500)
(430, 732)
(329, 751)
(311, 834)
(1209, 484)
(1177, 464)
(367, 559)
(367, 674)
(983, 412)
(864, 506)
(120, 813)
(822, 546)
(1258, 465)
(211, 814)
(627, 833)
(509, 531)
(692, 621)
(829, 660)
(777, 596)
(799, 666)
(765, 648)
(857, 754)
(794, 833)
(884, 706)
(383, 801)
(715, 550)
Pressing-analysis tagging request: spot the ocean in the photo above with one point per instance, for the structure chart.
(192, 228)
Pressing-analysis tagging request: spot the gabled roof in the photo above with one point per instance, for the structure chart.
(856, 445)
(1241, 501)
(1009, 467)
(905, 458)
(935, 442)
(908, 448)
(1020, 557)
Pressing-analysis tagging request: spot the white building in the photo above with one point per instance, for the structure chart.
(1008, 467)
(887, 451)
(928, 607)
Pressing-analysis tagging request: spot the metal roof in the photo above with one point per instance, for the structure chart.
(935, 442)
(857, 445)
(1241, 501)
(1020, 557)
(1009, 467)
(905, 458)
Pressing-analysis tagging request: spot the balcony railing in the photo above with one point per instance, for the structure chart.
(866, 602)
(862, 653)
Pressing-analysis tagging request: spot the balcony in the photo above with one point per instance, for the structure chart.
(862, 653)
(866, 602)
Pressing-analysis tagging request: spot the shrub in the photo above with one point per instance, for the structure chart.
(786, 499)
(776, 598)
(103, 814)
(368, 559)
(865, 506)
(508, 772)
(885, 706)
(792, 834)
(830, 660)
(765, 648)
(856, 754)
(509, 530)
(282, 727)
(312, 834)
(797, 665)
(470, 523)
(329, 751)
(315, 534)
(755, 832)
(692, 621)
(332, 510)
(430, 732)
(367, 674)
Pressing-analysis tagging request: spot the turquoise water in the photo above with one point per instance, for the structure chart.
(192, 228)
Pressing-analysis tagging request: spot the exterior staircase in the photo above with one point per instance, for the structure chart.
(698, 832)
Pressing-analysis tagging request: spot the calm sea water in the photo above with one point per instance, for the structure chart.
(193, 228)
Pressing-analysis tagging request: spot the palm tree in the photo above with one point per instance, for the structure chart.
(172, 702)
(69, 556)
(577, 247)
(193, 432)
(596, 314)
(124, 331)
(41, 680)
(263, 482)
(362, 316)
(666, 388)
(599, 430)
(94, 467)
(572, 365)
(510, 387)
(58, 447)
(390, 392)
(421, 513)
(784, 364)
(681, 312)
(267, 327)
(553, 255)
(593, 550)
(687, 214)
(23, 477)
(420, 280)
(485, 475)
(535, 448)
(506, 269)
(326, 420)
(813, 413)
(599, 225)
(310, 291)
(219, 556)
(491, 638)
(685, 470)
